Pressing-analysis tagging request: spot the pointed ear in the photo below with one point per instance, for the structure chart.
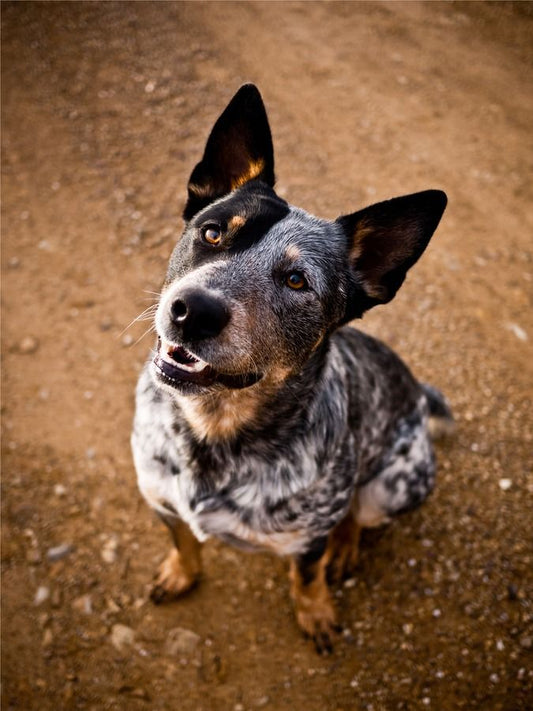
(385, 240)
(239, 149)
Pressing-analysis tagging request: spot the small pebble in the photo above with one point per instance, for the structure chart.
(109, 551)
(505, 484)
(518, 331)
(28, 345)
(526, 642)
(83, 604)
(58, 552)
(181, 641)
(122, 637)
(42, 594)
(347, 634)
(60, 490)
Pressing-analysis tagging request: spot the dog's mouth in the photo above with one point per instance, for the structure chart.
(175, 365)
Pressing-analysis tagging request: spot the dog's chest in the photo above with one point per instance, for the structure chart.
(215, 491)
(235, 500)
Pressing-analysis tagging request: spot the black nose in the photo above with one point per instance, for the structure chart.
(198, 314)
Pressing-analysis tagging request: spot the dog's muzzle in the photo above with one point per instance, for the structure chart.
(176, 366)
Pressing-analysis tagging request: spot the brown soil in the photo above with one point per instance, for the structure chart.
(106, 108)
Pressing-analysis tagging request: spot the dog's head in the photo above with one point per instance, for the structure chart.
(254, 285)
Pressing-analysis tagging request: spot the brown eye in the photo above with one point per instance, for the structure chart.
(296, 280)
(212, 234)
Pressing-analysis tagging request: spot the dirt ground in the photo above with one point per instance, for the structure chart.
(105, 110)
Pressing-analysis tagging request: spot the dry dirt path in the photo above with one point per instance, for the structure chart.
(105, 109)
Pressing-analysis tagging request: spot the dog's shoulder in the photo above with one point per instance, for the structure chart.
(378, 382)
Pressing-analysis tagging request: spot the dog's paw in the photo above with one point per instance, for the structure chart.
(318, 621)
(172, 579)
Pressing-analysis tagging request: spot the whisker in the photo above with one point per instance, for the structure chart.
(148, 330)
(147, 314)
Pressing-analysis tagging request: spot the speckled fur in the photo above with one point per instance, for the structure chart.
(291, 477)
(302, 422)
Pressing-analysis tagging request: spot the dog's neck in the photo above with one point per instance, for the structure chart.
(221, 416)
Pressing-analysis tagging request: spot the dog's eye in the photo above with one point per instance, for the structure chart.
(296, 280)
(212, 234)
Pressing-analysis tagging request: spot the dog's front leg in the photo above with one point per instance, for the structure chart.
(312, 599)
(180, 570)
(344, 547)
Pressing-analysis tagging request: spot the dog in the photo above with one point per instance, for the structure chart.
(262, 418)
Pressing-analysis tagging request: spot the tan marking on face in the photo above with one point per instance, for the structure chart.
(255, 168)
(236, 222)
(293, 252)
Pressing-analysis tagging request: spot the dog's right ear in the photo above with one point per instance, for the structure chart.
(239, 149)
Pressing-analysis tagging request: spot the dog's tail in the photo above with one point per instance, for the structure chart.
(441, 421)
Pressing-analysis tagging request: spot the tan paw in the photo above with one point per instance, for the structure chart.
(172, 579)
(318, 620)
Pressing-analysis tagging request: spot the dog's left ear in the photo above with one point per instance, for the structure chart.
(239, 149)
(385, 240)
